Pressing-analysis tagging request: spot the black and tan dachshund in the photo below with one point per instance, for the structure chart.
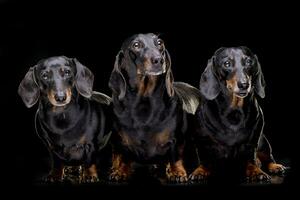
(149, 109)
(229, 121)
(72, 120)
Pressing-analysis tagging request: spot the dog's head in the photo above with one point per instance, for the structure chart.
(142, 55)
(233, 70)
(55, 79)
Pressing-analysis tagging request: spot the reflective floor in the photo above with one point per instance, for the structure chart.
(144, 176)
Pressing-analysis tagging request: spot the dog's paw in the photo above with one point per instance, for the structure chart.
(90, 179)
(200, 175)
(89, 174)
(119, 176)
(176, 173)
(277, 169)
(73, 174)
(255, 174)
(177, 178)
(258, 177)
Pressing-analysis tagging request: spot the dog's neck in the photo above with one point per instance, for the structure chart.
(234, 102)
(146, 101)
(232, 111)
(145, 86)
(61, 118)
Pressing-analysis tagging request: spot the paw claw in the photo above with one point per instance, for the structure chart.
(115, 177)
(277, 169)
(90, 179)
(183, 179)
(198, 178)
(178, 179)
(262, 177)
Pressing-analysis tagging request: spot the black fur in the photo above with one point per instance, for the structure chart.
(142, 116)
(229, 121)
(72, 120)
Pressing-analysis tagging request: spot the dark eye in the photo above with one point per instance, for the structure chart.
(67, 72)
(227, 64)
(45, 76)
(159, 42)
(136, 45)
(248, 62)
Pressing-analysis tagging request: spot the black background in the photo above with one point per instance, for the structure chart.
(94, 32)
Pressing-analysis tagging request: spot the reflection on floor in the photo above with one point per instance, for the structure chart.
(143, 176)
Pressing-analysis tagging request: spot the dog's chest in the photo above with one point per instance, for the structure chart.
(147, 113)
(145, 145)
(72, 145)
(228, 128)
(234, 119)
(144, 110)
(233, 137)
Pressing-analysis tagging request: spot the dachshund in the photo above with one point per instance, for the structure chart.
(72, 120)
(229, 121)
(149, 109)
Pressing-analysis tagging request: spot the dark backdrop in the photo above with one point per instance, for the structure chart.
(93, 33)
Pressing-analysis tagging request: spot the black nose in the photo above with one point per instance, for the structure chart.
(60, 96)
(243, 85)
(157, 60)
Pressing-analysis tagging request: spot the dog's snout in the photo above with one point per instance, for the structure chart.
(156, 60)
(60, 96)
(243, 85)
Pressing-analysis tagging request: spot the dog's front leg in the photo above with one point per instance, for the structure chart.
(121, 168)
(90, 174)
(264, 154)
(253, 170)
(56, 173)
(175, 170)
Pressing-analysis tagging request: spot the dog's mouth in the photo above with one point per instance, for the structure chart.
(154, 73)
(60, 104)
(151, 72)
(241, 94)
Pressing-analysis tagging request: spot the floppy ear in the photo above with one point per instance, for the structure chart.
(84, 79)
(169, 75)
(117, 81)
(209, 85)
(29, 89)
(259, 81)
